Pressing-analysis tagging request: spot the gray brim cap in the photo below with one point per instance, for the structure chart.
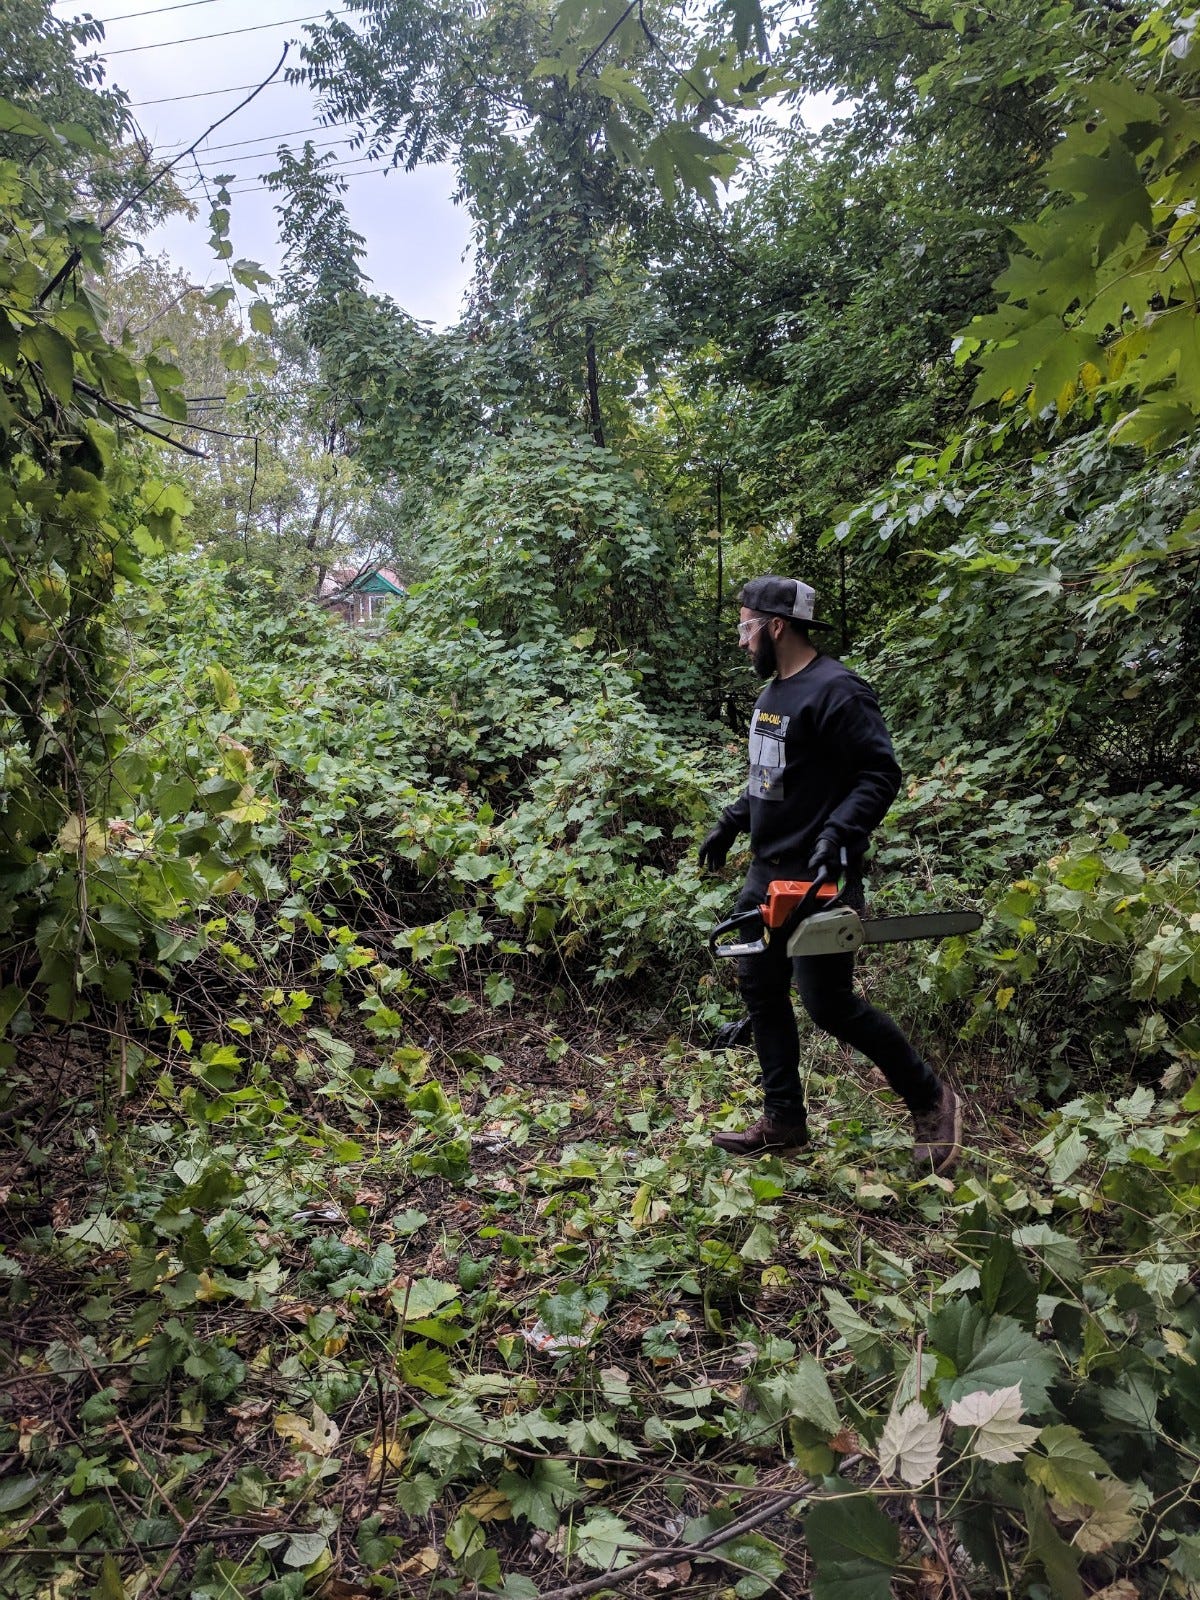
(782, 597)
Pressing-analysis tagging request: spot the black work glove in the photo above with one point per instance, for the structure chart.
(826, 862)
(715, 847)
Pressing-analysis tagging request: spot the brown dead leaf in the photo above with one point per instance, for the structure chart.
(60, 1213)
(931, 1581)
(295, 1310)
(250, 1410)
(342, 1589)
(422, 1565)
(317, 1437)
(28, 1430)
(488, 1505)
(670, 1577)
(845, 1443)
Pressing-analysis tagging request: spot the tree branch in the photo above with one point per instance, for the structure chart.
(76, 255)
(671, 1553)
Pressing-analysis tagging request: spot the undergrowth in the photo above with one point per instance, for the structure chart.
(489, 1312)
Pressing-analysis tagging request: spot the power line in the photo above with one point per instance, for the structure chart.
(131, 16)
(226, 33)
(203, 94)
(266, 138)
(269, 155)
(360, 168)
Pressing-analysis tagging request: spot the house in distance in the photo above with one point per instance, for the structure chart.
(360, 595)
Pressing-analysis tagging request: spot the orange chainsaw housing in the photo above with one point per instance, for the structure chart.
(785, 894)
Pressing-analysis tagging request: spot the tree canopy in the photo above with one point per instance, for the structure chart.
(360, 1225)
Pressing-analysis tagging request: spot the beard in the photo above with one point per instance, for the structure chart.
(762, 655)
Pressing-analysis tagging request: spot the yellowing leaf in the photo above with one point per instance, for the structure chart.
(93, 836)
(318, 1437)
(224, 688)
(908, 1446)
(421, 1565)
(1000, 1435)
(1177, 1345)
(1111, 1522)
(387, 1456)
(488, 1505)
(1068, 1470)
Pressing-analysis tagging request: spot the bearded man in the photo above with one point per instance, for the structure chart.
(822, 776)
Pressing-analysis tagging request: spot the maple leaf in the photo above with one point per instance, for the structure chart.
(908, 1446)
(999, 1433)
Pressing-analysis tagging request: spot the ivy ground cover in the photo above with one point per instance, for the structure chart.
(487, 1313)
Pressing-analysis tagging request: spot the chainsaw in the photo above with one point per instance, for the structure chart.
(815, 922)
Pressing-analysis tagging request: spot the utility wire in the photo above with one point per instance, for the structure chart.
(225, 33)
(354, 167)
(269, 155)
(154, 11)
(201, 94)
(266, 138)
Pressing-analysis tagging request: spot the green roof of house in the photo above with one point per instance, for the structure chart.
(378, 580)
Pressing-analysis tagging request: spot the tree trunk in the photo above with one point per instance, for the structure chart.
(714, 709)
(593, 386)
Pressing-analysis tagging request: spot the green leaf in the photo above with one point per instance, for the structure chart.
(1005, 1285)
(603, 1542)
(989, 1353)
(541, 1495)
(15, 119)
(305, 1548)
(19, 1491)
(855, 1546)
(809, 1397)
(864, 1342)
(764, 1560)
(1068, 1471)
(261, 318)
(56, 358)
(1057, 1559)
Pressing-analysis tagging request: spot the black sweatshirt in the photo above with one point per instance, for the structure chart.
(821, 766)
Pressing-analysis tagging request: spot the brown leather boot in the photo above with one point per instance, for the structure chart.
(764, 1137)
(938, 1134)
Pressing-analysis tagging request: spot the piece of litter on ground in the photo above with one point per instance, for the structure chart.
(558, 1344)
(321, 1213)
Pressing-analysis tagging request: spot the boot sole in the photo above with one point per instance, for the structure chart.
(945, 1165)
(762, 1149)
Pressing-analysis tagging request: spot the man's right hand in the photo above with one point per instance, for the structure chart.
(715, 847)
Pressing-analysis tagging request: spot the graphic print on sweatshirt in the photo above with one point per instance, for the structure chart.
(768, 730)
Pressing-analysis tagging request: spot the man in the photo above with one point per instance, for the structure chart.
(822, 775)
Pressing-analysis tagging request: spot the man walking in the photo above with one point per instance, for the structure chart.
(822, 776)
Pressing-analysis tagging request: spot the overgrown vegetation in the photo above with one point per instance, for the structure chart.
(362, 1231)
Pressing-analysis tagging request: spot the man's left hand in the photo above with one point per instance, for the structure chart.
(825, 863)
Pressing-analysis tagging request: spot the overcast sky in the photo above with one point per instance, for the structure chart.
(416, 236)
(180, 83)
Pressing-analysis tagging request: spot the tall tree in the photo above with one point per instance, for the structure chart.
(565, 122)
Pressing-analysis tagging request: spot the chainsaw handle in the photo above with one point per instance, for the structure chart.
(809, 900)
(744, 919)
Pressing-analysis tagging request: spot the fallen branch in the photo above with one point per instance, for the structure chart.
(682, 1552)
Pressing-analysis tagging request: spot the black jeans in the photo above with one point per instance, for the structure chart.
(826, 986)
